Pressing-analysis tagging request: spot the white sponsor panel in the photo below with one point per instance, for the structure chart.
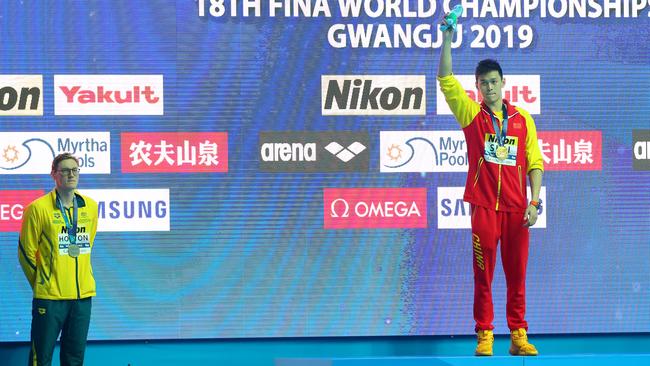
(108, 95)
(372, 95)
(131, 209)
(33, 152)
(521, 90)
(21, 95)
(454, 213)
(422, 151)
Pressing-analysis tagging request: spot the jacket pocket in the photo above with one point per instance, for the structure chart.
(478, 170)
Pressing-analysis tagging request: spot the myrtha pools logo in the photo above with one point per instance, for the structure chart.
(25, 152)
(422, 151)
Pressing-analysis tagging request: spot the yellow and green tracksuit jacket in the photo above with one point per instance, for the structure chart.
(42, 249)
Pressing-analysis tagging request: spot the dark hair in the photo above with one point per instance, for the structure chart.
(59, 158)
(487, 65)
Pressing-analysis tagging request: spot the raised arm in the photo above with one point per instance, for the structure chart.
(444, 67)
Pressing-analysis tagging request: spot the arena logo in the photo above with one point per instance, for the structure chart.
(21, 95)
(521, 90)
(641, 149)
(422, 151)
(357, 208)
(454, 213)
(12, 207)
(367, 95)
(310, 151)
(108, 95)
(32, 152)
(131, 209)
(174, 152)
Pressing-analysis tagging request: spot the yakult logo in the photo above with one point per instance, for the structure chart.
(367, 95)
(108, 95)
(12, 207)
(454, 213)
(422, 151)
(521, 90)
(356, 208)
(21, 95)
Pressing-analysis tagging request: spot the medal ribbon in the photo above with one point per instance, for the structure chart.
(72, 229)
(503, 132)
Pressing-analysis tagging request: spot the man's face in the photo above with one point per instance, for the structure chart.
(490, 85)
(66, 175)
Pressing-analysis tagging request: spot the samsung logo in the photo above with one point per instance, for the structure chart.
(131, 209)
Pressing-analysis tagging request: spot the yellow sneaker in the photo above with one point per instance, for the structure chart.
(519, 345)
(485, 343)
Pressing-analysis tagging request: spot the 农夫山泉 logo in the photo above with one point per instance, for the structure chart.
(33, 152)
(131, 209)
(369, 95)
(21, 95)
(12, 207)
(108, 95)
(521, 90)
(571, 150)
(311, 151)
(422, 151)
(174, 152)
(376, 208)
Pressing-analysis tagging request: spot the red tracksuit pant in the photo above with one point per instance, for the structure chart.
(488, 227)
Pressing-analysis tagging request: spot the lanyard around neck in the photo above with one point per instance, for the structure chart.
(503, 131)
(71, 226)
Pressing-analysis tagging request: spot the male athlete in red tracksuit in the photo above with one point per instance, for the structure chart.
(502, 149)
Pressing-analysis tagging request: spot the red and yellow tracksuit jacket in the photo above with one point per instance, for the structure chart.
(51, 272)
(496, 186)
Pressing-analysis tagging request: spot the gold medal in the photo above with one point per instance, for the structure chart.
(502, 152)
(73, 250)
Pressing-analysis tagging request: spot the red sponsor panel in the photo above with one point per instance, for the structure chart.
(12, 206)
(571, 150)
(374, 208)
(174, 152)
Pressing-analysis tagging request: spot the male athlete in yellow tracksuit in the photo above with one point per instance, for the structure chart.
(56, 239)
(502, 149)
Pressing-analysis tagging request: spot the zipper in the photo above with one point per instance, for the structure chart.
(519, 172)
(478, 170)
(498, 189)
(76, 275)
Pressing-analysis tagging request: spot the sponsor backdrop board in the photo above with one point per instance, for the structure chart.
(290, 168)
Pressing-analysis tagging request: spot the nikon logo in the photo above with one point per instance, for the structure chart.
(394, 95)
(20, 95)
